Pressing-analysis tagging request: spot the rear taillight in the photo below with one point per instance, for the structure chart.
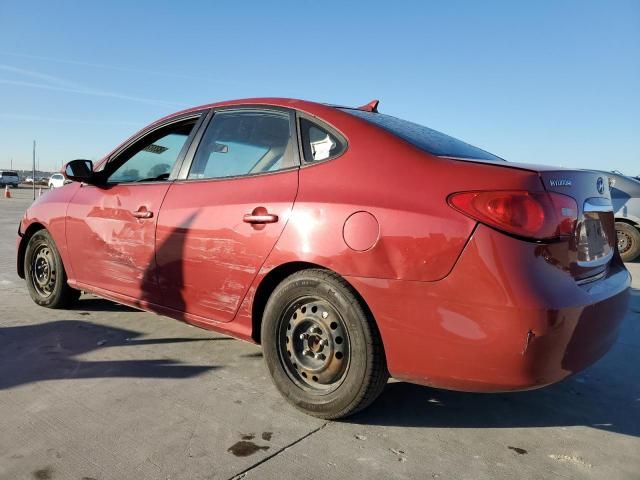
(537, 215)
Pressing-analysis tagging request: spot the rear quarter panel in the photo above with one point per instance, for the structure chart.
(420, 236)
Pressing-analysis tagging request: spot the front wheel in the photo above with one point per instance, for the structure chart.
(322, 348)
(628, 238)
(45, 274)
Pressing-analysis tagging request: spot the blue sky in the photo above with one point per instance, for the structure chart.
(554, 82)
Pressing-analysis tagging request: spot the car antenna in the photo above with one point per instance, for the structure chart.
(372, 106)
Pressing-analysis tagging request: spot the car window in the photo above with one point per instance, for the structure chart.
(153, 158)
(318, 143)
(243, 143)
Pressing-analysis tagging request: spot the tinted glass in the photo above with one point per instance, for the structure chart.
(431, 141)
(243, 143)
(318, 143)
(155, 157)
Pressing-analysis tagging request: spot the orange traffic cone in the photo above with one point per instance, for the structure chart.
(7, 193)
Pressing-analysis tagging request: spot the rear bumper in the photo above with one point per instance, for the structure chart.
(504, 319)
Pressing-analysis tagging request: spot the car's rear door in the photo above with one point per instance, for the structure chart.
(223, 216)
(110, 228)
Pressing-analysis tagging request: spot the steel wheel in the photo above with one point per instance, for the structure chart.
(628, 241)
(43, 271)
(624, 241)
(314, 346)
(322, 349)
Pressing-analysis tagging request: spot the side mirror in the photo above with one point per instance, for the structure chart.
(79, 171)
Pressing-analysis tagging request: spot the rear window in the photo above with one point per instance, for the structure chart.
(318, 143)
(431, 141)
(7, 173)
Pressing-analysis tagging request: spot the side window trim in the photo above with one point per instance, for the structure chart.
(184, 164)
(113, 163)
(325, 126)
(183, 174)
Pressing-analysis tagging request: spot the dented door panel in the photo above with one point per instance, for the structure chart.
(109, 246)
(207, 253)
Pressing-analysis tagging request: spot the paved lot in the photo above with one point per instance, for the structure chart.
(107, 392)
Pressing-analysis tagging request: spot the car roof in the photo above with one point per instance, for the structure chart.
(313, 108)
(304, 105)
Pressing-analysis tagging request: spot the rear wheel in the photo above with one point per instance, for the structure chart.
(323, 351)
(45, 274)
(628, 238)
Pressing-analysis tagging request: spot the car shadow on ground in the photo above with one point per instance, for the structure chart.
(567, 404)
(49, 351)
(606, 396)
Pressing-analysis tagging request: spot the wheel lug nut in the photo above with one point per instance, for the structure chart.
(320, 356)
(307, 352)
(325, 314)
(325, 342)
(303, 336)
(316, 330)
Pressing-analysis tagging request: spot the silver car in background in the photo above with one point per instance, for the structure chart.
(625, 196)
(9, 177)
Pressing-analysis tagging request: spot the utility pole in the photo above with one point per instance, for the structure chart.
(34, 170)
(11, 163)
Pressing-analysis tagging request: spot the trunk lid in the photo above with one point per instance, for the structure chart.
(592, 245)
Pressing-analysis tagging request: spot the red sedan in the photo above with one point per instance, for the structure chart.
(350, 244)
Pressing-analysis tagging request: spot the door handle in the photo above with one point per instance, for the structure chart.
(266, 218)
(260, 215)
(142, 213)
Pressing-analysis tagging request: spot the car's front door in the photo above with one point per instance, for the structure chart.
(111, 227)
(220, 221)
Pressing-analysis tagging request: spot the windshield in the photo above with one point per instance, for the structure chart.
(431, 141)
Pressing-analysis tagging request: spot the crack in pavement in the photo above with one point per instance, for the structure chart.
(243, 473)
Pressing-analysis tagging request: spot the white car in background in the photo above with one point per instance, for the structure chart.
(56, 181)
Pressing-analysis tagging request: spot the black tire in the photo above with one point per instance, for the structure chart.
(343, 369)
(628, 238)
(45, 274)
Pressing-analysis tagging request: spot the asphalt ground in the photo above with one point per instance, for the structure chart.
(108, 392)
